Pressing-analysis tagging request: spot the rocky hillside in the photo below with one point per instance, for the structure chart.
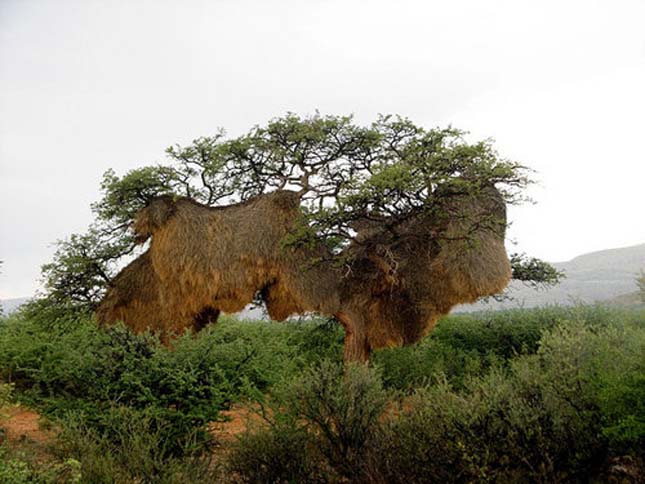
(597, 276)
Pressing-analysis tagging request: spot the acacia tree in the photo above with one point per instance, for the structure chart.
(347, 175)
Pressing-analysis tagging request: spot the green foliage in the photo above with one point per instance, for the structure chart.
(466, 345)
(541, 395)
(414, 366)
(321, 427)
(507, 333)
(123, 197)
(14, 471)
(82, 268)
(18, 470)
(134, 450)
(6, 389)
(640, 281)
(281, 455)
(389, 172)
(396, 171)
(131, 409)
(551, 414)
(543, 419)
(88, 372)
(71, 367)
(534, 272)
(342, 406)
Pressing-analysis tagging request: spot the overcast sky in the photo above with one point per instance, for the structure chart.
(91, 85)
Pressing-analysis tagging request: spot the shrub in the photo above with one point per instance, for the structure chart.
(14, 471)
(605, 370)
(423, 441)
(467, 345)
(545, 417)
(420, 365)
(280, 454)
(525, 395)
(88, 372)
(131, 448)
(70, 367)
(6, 390)
(342, 405)
(323, 423)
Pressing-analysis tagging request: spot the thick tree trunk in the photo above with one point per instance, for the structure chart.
(356, 347)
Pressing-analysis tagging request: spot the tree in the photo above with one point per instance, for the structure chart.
(640, 281)
(348, 177)
(1, 309)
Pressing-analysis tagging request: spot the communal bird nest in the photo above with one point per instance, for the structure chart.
(203, 260)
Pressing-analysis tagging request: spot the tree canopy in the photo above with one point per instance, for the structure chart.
(385, 173)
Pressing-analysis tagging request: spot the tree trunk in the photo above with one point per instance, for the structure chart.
(356, 347)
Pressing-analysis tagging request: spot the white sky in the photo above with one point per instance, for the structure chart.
(91, 85)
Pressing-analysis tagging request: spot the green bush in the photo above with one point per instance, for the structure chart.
(463, 346)
(554, 413)
(260, 354)
(342, 406)
(18, 470)
(278, 455)
(514, 331)
(416, 366)
(546, 417)
(87, 371)
(525, 395)
(14, 471)
(604, 369)
(133, 449)
(69, 366)
(6, 390)
(323, 426)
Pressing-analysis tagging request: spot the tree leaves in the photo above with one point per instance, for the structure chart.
(346, 174)
(534, 272)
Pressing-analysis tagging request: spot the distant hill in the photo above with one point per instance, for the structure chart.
(606, 275)
(631, 299)
(11, 305)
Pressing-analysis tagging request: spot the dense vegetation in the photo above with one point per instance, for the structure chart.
(553, 394)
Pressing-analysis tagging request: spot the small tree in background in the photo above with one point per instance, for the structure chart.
(387, 172)
(640, 281)
(1, 309)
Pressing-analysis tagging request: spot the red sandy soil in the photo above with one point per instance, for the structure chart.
(234, 422)
(21, 424)
(21, 431)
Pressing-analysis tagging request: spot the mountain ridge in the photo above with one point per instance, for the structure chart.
(603, 275)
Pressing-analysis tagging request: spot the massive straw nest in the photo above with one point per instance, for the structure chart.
(203, 260)
(398, 290)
